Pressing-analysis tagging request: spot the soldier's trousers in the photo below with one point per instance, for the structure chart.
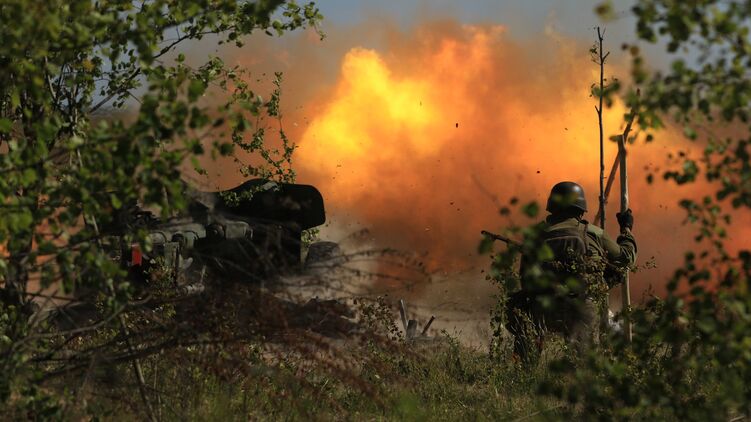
(530, 316)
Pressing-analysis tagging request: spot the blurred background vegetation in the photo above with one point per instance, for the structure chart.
(241, 353)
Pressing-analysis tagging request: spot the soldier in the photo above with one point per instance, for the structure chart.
(586, 263)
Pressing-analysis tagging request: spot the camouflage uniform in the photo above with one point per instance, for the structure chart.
(575, 315)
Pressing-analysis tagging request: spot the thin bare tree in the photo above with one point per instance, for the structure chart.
(599, 58)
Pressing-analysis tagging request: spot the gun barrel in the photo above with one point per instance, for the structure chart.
(504, 239)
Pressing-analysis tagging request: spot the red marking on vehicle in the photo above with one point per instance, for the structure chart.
(136, 257)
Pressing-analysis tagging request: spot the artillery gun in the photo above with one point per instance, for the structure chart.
(252, 232)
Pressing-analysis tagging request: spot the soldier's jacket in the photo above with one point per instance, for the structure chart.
(567, 235)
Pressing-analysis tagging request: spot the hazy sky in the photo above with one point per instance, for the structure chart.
(522, 17)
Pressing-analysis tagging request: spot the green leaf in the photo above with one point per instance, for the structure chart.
(5, 125)
(29, 176)
(689, 132)
(544, 253)
(46, 248)
(531, 209)
(196, 88)
(605, 11)
(115, 201)
(226, 148)
(486, 245)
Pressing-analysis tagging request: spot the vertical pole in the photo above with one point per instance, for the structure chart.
(626, 293)
(403, 315)
(601, 62)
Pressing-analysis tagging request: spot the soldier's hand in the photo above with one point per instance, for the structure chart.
(625, 219)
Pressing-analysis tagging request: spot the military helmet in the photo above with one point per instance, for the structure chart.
(565, 195)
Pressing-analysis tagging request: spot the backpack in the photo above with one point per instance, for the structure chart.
(566, 245)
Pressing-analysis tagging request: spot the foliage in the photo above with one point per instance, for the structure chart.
(702, 325)
(365, 376)
(375, 315)
(689, 357)
(67, 171)
(705, 87)
(689, 360)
